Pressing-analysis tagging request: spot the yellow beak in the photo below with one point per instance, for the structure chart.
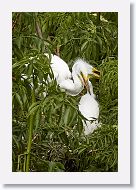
(95, 73)
(86, 82)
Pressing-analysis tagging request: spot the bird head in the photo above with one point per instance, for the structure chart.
(93, 72)
(85, 71)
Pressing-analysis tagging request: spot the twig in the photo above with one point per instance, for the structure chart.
(14, 23)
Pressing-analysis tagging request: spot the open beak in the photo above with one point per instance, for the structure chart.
(95, 73)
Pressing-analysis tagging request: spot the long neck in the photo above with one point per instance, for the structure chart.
(90, 87)
(91, 90)
(76, 80)
(72, 87)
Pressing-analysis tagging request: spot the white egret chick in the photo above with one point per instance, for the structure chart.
(73, 83)
(76, 84)
(89, 108)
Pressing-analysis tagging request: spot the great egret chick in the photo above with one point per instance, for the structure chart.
(75, 83)
(89, 108)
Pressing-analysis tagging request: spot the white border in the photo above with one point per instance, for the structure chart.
(123, 174)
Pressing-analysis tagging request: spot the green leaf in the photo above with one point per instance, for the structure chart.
(33, 110)
(66, 116)
(84, 45)
(30, 70)
(20, 63)
(18, 98)
(37, 119)
(33, 105)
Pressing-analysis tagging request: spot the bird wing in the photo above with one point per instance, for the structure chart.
(60, 69)
(89, 107)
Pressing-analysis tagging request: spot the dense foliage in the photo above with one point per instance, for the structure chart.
(47, 130)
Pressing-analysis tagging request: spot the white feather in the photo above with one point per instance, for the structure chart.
(89, 108)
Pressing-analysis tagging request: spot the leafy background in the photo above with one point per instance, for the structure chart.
(47, 130)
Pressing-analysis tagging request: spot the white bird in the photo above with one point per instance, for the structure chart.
(89, 108)
(73, 83)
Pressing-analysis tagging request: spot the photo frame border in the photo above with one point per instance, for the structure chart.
(123, 174)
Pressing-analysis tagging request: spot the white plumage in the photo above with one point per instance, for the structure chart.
(60, 69)
(73, 83)
(89, 108)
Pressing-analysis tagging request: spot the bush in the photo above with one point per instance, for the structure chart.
(47, 131)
